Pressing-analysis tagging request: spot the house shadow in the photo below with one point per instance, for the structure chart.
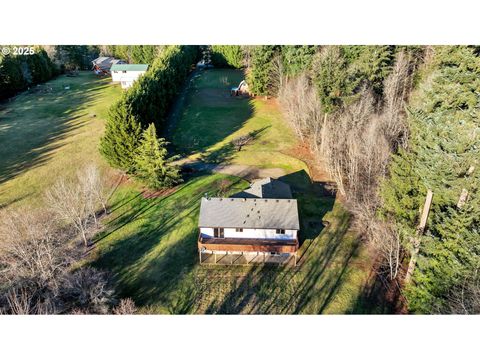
(315, 199)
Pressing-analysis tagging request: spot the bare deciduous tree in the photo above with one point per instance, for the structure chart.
(465, 298)
(302, 107)
(68, 201)
(36, 262)
(31, 247)
(94, 189)
(355, 142)
(125, 307)
(76, 202)
(87, 290)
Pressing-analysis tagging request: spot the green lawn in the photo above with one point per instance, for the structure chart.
(150, 246)
(50, 132)
(212, 118)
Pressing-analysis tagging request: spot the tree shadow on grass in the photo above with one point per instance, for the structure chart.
(209, 114)
(315, 199)
(32, 130)
(378, 296)
(150, 262)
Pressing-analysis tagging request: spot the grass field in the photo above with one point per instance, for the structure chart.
(150, 246)
(212, 118)
(49, 132)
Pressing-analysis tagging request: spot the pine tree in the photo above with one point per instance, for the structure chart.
(297, 58)
(152, 167)
(122, 136)
(259, 79)
(227, 56)
(444, 143)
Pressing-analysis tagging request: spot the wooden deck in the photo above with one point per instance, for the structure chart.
(243, 251)
(248, 245)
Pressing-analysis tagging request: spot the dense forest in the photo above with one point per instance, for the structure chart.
(17, 73)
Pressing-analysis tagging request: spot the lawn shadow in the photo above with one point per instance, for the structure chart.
(379, 295)
(150, 263)
(35, 123)
(208, 112)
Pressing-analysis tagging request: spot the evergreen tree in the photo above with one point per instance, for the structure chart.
(259, 77)
(370, 64)
(152, 167)
(122, 136)
(332, 78)
(444, 144)
(227, 56)
(297, 58)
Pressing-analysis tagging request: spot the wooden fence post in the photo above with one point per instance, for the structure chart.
(416, 239)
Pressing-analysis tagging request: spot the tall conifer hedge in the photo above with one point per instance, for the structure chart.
(147, 101)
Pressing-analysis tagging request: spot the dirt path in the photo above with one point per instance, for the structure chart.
(244, 171)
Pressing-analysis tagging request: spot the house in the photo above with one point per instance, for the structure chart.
(257, 225)
(102, 64)
(126, 74)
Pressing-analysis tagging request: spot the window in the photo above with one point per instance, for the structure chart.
(218, 233)
(238, 230)
(280, 231)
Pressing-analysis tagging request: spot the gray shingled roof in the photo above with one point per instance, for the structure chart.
(129, 67)
(249, 213)
(266, 188)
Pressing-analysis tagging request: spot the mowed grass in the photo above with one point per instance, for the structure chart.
(150, 245)
(212, 118)
(50, 132)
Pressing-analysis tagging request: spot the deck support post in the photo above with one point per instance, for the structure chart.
(214, 257)
(200, 256)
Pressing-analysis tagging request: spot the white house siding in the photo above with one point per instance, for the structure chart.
(252, 234)
(126, 78)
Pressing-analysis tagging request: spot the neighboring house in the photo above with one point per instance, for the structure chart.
(126, 74)
(102, 64)
(257, 225)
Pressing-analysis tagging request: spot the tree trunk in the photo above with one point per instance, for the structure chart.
(416, 240)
